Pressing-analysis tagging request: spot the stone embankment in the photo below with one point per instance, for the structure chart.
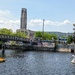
(63, 50)
(43, 47)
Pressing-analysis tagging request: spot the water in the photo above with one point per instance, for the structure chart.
(37, 63)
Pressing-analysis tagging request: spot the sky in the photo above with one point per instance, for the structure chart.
(59, 15)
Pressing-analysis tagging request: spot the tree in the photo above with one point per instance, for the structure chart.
(10, 32)
(6, 31)
(47, 36)
(20, 34)
(70, 39)
(38, 34)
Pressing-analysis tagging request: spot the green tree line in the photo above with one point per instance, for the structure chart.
(38, 34)
(45, 36)
(10, 32)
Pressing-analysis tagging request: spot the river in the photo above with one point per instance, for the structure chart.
(36, 63)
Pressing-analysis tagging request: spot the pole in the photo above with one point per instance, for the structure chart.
(43, 29)
(3, 49)
(74, 33)
(74, 36)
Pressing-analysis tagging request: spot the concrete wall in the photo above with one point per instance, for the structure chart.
(64, 50)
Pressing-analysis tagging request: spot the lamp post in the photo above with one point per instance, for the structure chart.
(43, 29)
(74, 32)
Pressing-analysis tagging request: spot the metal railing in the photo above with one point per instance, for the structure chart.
(9, 37)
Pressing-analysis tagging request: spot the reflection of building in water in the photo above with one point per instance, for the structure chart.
(23, 24)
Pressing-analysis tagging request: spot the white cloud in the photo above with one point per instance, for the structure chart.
(62, 26)
(5, 14)
(6, 20)
(67, 22)
(36, 22)
(12, 22)
(1, 21)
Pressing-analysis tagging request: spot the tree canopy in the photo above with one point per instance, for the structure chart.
(70, 39)
(10, 32)
(46, 36)
(20, 34)
(6, 31)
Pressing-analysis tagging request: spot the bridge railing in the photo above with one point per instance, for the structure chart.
(9, 37)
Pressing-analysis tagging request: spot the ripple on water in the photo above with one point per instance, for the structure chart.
(37, 63)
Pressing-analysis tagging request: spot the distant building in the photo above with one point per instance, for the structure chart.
(23, 24)
(62, 40)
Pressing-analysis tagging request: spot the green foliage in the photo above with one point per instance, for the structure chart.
(13, 43)
(70, 39)
(63, 36)
(6, 31)
(47, 36)
(10, 32)
(1, 42)
(20, 34)
(38, 34)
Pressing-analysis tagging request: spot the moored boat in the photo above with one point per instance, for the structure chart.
(73, 60)
(2, 60)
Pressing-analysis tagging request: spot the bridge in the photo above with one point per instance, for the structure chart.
(27, 46)
(6, 38)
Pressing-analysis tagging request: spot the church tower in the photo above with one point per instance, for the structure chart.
(23, 25)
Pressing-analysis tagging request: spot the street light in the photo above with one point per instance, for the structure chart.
(74, 32)
(43, 29)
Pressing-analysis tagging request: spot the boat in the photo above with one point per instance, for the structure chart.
(73, 60)
(73, 56)
(2, 60)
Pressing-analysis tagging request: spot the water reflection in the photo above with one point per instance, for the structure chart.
(37, 63)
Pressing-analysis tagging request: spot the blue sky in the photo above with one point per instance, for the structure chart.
(59, 15)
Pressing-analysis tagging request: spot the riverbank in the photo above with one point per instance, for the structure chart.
(51, 48)
(63, 50)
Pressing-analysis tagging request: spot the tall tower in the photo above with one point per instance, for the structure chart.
(23, 19)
